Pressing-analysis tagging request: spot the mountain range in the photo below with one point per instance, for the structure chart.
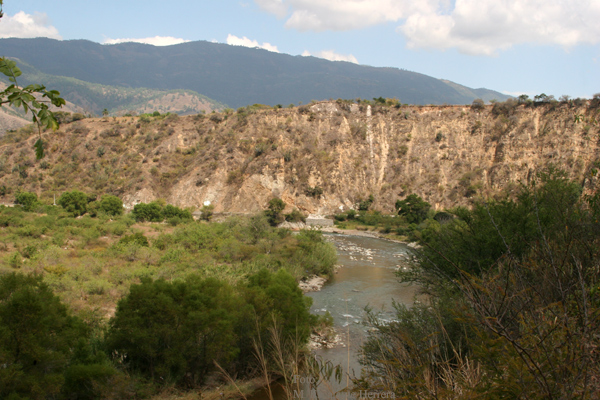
(231, 75)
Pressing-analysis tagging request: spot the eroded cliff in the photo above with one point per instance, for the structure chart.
(237, 161)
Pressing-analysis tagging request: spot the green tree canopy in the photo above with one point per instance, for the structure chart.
(151, 212)
(413, 208)
(111, 205)
(274, 211)
(169, 330)
(37, 336)
(27, 199)
(74, 202)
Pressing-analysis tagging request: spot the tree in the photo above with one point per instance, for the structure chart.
(274, 211)
(37, 336)
(364, 205)
(478, 105)
(414, 208)
(25, 97)
(207, 212)
(170, 211)
(523, 99)
(148, 212)
(512, 302)
(111, 205)
(74, 202)
(172, 332)
(28, 200)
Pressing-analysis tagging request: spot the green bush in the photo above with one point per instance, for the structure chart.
(295, 216)
(315, 192)
(364, 205)
(478, 105)
(170, 211)
(207, 212)
(413, 208)
(274, 211)
(137, 238)
(151, 212)
(315, 255)
(74, 202)
(111, 205)
(340, 217)
(143, 328)
(28, 200)
(37, 335)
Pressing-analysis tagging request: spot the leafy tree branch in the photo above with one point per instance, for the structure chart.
(32, 98)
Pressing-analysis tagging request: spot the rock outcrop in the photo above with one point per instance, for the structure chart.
(321, 158)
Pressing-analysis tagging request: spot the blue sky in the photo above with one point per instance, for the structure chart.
(513, 46)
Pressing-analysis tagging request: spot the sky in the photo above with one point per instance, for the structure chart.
(512, 46)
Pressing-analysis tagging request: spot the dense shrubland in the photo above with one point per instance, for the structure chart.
(95, 303)
(513, 304)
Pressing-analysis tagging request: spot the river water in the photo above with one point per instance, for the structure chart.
(366, 279)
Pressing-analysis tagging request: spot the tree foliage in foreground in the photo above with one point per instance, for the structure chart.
(176, 331)
(32, 98)
(514, 303)
(44, 351)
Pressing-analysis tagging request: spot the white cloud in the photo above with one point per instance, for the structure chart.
(471, 26)
(486, 26)
(23, 25)
(155, 41)
(276, 7)
(244, 41)
(332, 56)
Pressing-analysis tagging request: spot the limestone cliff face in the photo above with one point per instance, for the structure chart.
(239, 160)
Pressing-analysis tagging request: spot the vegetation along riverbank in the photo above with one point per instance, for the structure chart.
(97, 304)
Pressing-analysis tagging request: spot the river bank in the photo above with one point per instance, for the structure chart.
(297, 226)
(365, 276)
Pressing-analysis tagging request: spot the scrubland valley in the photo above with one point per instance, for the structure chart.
(117, 292)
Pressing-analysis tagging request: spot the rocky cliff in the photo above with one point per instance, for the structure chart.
(319, 158)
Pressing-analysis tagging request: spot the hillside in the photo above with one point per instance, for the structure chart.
(92, 98)
(233, 75)
(239, 160)
(12, 118)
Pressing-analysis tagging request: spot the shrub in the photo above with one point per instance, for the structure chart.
(364, 205)
(170, 211)
(37, 336)
(28, 200)
(143, 328)
(478, 105)
(137, 239)
(16, 260)
(443, 217)
(413, 208)
(74, 202)
(505, 108)
(315, 192)
(207, 212)
(111, 205)
(148, 212)
(273, 213)
(295, 216)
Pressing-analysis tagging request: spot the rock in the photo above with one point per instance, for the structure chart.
(312, 284)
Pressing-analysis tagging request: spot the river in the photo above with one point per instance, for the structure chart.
(366, 278)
